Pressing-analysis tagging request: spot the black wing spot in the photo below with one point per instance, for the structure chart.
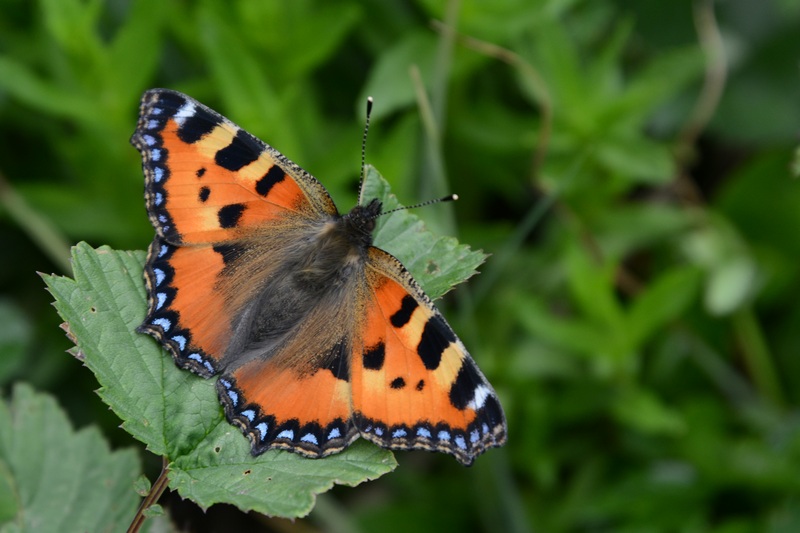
(436, 337)
(200, 172)
(228, 252)
(403, 315)
(230, 215)
(239, 153)
(338, 365)
(463, 389)
(420, 385)
(204, 194)
(197, 126)
(273, 176)
(492, 411)
(374, 356)
(398, 383)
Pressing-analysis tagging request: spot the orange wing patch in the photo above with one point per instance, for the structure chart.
(185, 312)
(281, 407)
(414, 384)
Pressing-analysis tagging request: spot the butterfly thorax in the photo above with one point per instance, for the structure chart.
(359, 223)
(318, 274)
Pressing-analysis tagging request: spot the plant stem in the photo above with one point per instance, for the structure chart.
(152, 497)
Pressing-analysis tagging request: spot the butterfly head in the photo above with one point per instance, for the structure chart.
(360, 220)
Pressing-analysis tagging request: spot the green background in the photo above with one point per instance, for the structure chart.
(628, 164)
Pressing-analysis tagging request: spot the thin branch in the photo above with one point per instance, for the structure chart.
(152, 497)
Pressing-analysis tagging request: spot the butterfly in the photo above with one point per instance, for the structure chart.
(317, 336)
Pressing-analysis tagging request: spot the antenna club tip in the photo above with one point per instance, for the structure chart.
(369, 99)
(454, 197)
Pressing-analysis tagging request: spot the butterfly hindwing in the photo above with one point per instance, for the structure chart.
(414, 383)
(285, 407)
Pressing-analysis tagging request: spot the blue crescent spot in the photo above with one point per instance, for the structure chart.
(474, 436)
(367, 429)
(379, 432)
(399, 433)
(308, 437)
(194, 356)
(156, 111)
(286, 434)
(208, 366)
(334, 434)
(155, 155)
(423, 432)
(461, 443)
(161, 297)
(250, 414)
(485, 429)
(234, 397)
(225, 383)
(153, 124)
(181, 340)
(262, 430)
(160, 275)
(443, 435)
(149, 140)
(163, 323)
(159, 198)
(158, 173)
(163, 250)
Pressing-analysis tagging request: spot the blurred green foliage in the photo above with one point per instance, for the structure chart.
(627, 163)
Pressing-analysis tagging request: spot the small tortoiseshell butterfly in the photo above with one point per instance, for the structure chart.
(318, 336)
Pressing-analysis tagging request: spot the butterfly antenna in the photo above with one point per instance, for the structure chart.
(364, 152)
(448, 198)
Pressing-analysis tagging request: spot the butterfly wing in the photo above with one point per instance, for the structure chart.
(414, 385)
(209, 187)
(207, 180)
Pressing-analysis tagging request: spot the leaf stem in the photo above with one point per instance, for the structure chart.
(152, 497)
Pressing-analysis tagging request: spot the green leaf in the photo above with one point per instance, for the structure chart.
(295, 42)
(437, 263)
(731, 285)
(53, 478)
(177, 414)
(662, 301)
(390, 81)
(21, 82)
(570, 334)
(637, 159)
(134, 53)
(592, 285)
(644, 411)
